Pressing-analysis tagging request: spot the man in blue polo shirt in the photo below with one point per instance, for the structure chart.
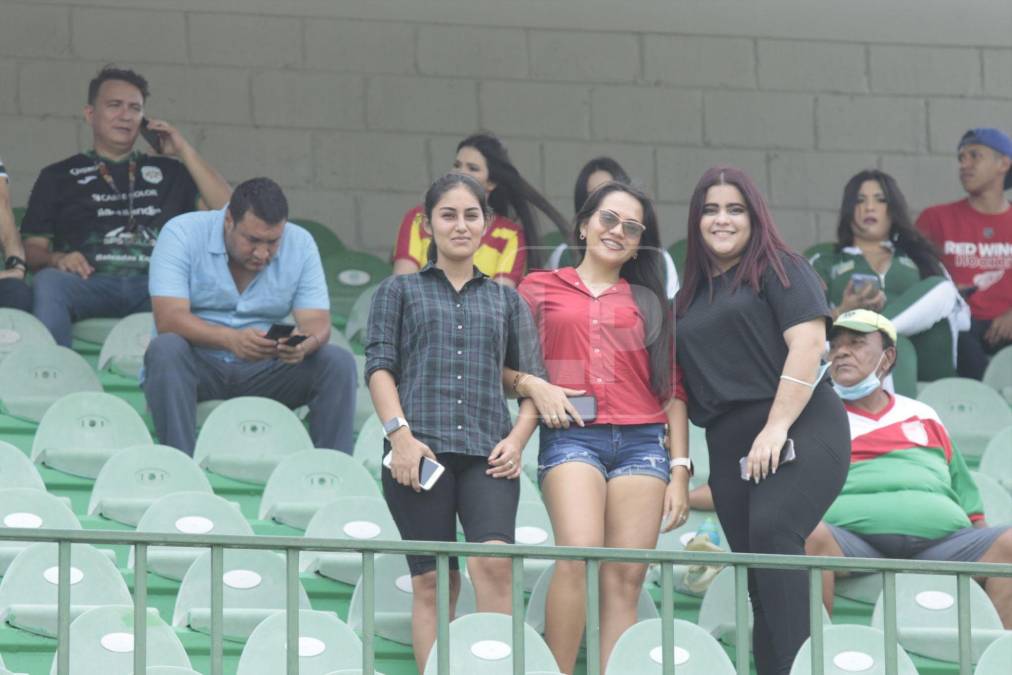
(218, 280)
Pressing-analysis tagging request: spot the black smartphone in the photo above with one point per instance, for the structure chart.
(787, 455)
(153, 138)
(280, 330)
(860, 281)
(586, 406)
(295, 340)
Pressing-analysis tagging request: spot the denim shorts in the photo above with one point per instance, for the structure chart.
(613, 449)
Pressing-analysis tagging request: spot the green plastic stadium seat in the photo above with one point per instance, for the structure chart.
(860, 587)
(19, 328)
(358, 317)
(972, 412)
(31, 508)
(28, 591)
(996, 659)
(34, 376)
(482, 643)
(849, 649)
(349, 273)
(999, 373)
(535, 616)
(926, 619)
(306, 480)
(678, 251)
(363, 400)
(529, 459)
(253, 589)
(169, 670)
(717, 613)
(533, 528)
(94, 330)
(81, 431)
(187, 513)
(676, 540)
(18, 471)
(135, 478)
(326, 239)
(359, 518)
(369, 446)
(700, 455)
(997, 459)
(997, 502)
(338, 338)
(528, 490)
(244, 438)
(326, 644)
(905, 373)
(393, 599)
(102, 641)
(123, 350)
(638, 651)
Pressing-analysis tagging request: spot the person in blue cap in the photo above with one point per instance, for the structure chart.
(974, 236)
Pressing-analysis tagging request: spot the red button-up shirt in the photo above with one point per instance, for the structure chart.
(597, 344)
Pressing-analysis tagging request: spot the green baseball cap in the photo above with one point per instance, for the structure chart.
(866, 321)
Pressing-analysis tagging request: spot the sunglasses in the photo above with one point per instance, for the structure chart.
(631, 228)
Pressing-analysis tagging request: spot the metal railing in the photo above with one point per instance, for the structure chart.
(593, 557)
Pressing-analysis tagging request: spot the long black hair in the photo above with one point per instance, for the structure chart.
(513, 196)
(440, 187)
(902, 232)
(606, 164)
(645, 275)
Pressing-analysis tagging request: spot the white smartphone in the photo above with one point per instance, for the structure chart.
(429, 471)
(787, 455)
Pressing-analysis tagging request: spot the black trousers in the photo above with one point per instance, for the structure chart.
(973, 354)
(778, 514)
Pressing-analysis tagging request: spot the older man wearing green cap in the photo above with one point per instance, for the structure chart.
(908, 493)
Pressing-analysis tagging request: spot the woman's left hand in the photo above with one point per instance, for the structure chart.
(676, 501)
(764, 457)
(505, 460)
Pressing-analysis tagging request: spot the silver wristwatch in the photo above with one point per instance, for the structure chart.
(681, 461)
(393, 424)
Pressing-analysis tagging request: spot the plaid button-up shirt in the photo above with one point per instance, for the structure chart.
(446, 350)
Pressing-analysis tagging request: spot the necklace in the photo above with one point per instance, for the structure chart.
(103, 171)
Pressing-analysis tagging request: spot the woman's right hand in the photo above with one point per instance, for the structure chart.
(869, 297)
(407, 452)
(552, 402)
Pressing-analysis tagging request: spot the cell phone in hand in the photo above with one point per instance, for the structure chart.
(429, 470)
(280, 330)
(295, 340)
(586, 406)
(862, 281)
(787, 455)
(153, 138)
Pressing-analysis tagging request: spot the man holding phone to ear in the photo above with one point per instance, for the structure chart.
(222, 285)
(93, 218)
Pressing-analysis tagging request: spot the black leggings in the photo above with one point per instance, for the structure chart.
(777, 515)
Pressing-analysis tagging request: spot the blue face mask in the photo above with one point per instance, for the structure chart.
(866, 386)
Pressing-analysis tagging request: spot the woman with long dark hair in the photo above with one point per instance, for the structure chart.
(510, 243)
(882, 263)
(606, 329)
(752, 321)
(436, 345)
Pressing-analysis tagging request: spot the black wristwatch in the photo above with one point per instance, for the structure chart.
(13, 262)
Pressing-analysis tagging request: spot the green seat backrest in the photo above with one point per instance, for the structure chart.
(482, 643)
(169, 670)
(638, 651)
(101, 641)
(123, 350)
(972, 412)
(358, 318)
(369, 445)
(905, 372)
(18, 471)
(848, 649)
(81, 431)
(533, 528)
(94, 331)
(996, 658)
(997, 458)
(28, 592)
(999, 373)
(678, 251)
(19, 215)
(926, 616)
(245, 438)
(19, 328)
(187, 513)
(349, 273)
(394, 599)
(306, 480)
(997, 502)
(253, 589)
(136, 477)
(716, 612)
(327, 241)
(528, 490)
(34, 376)
(529, 459)
(31, 508)
(325, 644)
(361, 518)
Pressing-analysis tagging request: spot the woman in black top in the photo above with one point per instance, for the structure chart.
(752, 320)
(436, 345)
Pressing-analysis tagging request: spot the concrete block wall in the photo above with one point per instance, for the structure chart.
(354, 107)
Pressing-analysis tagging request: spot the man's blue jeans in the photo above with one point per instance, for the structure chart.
(61, 298)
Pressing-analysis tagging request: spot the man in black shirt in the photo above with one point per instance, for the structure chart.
(93, 219)
(14, 292)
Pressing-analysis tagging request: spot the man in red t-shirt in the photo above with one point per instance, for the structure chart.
(974, 236)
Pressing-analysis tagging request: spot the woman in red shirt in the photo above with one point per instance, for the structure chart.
(606, 328)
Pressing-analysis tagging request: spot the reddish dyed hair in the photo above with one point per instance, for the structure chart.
(765, 248)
